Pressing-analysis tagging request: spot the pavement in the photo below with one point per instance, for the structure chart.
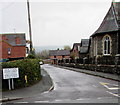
(114, 77)
(44, 85)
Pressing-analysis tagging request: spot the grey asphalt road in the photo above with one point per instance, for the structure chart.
(75, 87)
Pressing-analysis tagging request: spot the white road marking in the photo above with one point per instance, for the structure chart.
(80, 99)
(113, 94)
(94, 86)
(115, 85)
(99, 98)
(83, 99)
(41, 101)
(110, 88)
(45, 92)
(114, 88)
(58, 100)
(21, 102)
(66, 100)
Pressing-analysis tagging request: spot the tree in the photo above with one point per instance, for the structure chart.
(44, 54)
(66, 47)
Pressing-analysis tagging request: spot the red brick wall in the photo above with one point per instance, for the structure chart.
(66, 57)
(51, 57)
(17, 51)
(59, 57)
(5, 47)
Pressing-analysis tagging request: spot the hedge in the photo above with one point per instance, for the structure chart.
(29, 67)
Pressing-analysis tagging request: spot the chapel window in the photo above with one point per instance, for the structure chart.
(106, 45)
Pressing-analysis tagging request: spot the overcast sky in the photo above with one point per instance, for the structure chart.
(54, 22)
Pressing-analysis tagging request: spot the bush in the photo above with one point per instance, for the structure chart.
(31, 56)
(29, 67)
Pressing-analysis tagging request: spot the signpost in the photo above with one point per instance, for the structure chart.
(10, 73)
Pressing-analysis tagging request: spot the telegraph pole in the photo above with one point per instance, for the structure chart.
(29, 22)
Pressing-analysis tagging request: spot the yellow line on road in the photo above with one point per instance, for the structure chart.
(103, 83)
(110, 88)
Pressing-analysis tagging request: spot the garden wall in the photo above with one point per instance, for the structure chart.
(101, 68)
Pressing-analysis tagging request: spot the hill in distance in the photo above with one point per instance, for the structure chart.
(41, 48)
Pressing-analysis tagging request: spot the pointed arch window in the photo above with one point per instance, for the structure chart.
(107, 45)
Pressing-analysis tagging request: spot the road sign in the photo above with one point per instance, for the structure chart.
(9, 73)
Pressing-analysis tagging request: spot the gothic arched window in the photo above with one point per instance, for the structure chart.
(106, 45)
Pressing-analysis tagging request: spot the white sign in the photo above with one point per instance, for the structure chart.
(9, 73)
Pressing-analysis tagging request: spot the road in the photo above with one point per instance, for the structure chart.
(75, 87)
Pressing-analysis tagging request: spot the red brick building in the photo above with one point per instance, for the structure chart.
(58, 56)
(12, 46)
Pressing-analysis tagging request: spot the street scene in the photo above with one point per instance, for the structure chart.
(60, 51)
(74, 87)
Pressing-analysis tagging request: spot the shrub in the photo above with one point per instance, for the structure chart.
(29, 67)
(31, 56)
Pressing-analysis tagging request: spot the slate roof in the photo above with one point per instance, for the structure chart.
(111, 22)
(59, 52)
(11, 38)
(84, 46)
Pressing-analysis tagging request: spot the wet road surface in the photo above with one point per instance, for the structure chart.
(75, 87)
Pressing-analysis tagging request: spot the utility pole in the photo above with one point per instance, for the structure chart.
(29, 22)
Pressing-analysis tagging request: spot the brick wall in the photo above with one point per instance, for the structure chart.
(17, 51)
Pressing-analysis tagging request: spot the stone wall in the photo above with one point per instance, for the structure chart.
(100, 68)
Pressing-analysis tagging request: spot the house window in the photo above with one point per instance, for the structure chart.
(9, 51)
(106, 45)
